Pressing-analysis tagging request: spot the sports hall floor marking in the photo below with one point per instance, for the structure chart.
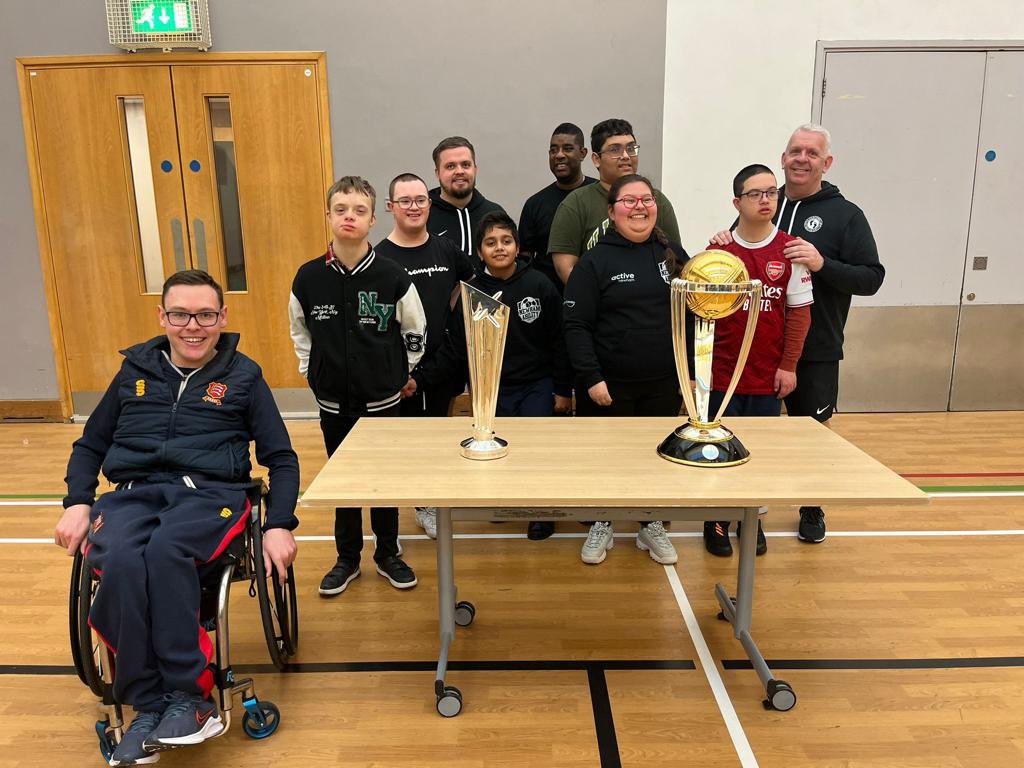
(707, 662)
(679, 535)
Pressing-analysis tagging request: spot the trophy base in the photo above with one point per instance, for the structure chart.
(721, 448)
(483, 450)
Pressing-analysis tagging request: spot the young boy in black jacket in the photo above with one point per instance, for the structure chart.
(358, 329)
(535, 376)
(172, 432)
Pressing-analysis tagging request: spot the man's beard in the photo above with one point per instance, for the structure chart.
(460, 194)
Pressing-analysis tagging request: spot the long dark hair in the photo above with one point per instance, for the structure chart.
(675, 266)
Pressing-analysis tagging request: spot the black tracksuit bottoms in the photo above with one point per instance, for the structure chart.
(348, 522)
(146, 542)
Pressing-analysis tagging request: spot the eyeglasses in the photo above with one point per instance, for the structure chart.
(629, 201)
(405, 203)
(756, 194)
(616, 150)
(181, 319)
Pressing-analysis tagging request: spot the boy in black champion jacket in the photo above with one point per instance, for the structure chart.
(173, 432)
(358, 329)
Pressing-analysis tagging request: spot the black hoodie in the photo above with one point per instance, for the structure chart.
(534, 346)
(618, 319)
(840, 232)
(457, 224)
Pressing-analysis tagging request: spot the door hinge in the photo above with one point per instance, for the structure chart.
(823, 81)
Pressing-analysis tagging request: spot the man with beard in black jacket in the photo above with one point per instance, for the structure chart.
(834, 241)
(456, 205)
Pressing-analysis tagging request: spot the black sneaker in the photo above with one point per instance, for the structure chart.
(130, 750)
(188, 719)
(812, 525)
(716, 538)
(336, 579)
(538, 530)
(397, 572)
(762, 542)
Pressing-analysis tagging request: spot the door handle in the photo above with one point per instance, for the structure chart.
(178, 242)
(200, 231)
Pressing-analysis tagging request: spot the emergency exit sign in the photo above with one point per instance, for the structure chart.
(161, 17)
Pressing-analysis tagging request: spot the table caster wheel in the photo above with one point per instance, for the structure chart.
(449, 703)
(780, 696)
(464, 613)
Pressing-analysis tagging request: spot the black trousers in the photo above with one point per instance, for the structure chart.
(146, 542)
(432, 403)
(634, 398)
(348, 521)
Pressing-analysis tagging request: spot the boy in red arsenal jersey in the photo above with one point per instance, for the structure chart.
(770, 372)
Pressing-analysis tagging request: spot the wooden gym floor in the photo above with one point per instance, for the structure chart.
(902, 634)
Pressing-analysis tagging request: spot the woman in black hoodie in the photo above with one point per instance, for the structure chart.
(618, 332)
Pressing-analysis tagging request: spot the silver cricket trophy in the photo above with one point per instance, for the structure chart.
(714, 285)
(486, 321)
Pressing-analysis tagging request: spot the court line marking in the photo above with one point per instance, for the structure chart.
(933, 495)
(707, 662)
(679, 535)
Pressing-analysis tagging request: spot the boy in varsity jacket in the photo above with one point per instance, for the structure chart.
(358, 328)
(535, 376)
(785, 315)
(172, 432)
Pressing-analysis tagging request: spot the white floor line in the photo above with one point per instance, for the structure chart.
(707, 662)
(938, 495)
(681, 535)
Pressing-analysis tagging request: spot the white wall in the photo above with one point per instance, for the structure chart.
(739, 76)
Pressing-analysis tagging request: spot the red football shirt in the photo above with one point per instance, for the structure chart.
(783, 285)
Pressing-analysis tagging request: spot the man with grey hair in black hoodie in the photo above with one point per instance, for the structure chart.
(834, 241)
(456, 205)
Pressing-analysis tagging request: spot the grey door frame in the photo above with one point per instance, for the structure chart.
(824, 47)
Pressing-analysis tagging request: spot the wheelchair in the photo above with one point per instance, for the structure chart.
(241, 561)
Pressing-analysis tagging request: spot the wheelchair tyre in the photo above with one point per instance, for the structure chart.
(272, 719)
(84, 647)
(278, 607)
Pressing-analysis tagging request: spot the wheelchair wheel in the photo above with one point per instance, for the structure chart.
(278, 607)
(86, 649)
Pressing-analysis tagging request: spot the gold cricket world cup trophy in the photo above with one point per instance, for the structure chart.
(486, 321)
(715, 284)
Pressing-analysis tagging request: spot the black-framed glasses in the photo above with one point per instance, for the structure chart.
(181, 319)
(631, 201)
(756, 194)
(616, 150)
(405, 203)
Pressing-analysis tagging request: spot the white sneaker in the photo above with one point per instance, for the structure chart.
(426, 518)
(653, 539)
(600, 539)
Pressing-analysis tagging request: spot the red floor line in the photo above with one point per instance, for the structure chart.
(963, 474)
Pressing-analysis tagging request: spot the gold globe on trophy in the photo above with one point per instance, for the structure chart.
(714, 285)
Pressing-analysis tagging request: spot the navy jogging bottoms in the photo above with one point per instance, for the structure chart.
(146, 542)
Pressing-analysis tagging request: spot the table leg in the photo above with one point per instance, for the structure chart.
(739, 613)
(449, 698)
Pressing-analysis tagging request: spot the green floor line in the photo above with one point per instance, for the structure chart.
(971, 488)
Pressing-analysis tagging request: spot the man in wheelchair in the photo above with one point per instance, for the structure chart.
(172, 432)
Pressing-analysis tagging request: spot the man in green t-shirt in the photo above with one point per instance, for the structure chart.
(582, 217)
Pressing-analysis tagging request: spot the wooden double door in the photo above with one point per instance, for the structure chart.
(161, 163)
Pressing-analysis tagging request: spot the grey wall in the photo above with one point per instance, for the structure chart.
(401, 75)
